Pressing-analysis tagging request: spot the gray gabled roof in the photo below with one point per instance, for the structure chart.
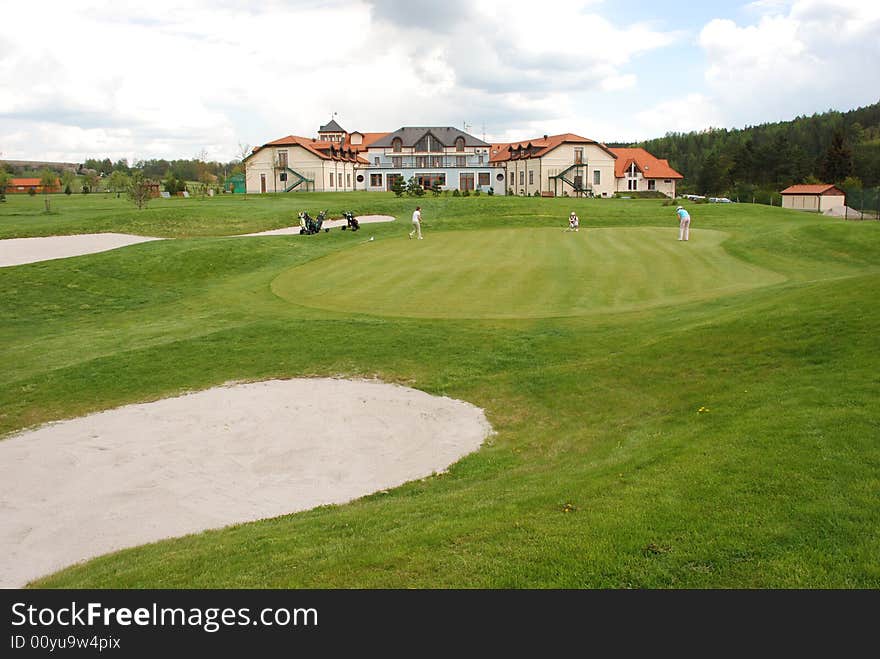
(446, 135)
(332, 127)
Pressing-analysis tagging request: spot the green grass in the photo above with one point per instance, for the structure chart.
(591, 354)
(521, 273)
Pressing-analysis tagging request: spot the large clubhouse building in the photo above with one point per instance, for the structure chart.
(552, 165)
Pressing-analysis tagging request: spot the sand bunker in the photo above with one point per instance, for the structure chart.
(18, 251)
(329, 224)
(76, 489)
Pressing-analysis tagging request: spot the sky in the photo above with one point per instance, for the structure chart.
(176, 79)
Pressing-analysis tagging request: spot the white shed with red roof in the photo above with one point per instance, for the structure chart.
(818, 198)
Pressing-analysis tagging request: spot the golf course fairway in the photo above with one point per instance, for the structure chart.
(521, 273)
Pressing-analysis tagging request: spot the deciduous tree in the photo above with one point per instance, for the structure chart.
(48, 180)
(139, 189)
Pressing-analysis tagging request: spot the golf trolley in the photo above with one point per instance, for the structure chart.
(309, 225)
(351, 221)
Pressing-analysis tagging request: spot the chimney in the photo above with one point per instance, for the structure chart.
(545, 137)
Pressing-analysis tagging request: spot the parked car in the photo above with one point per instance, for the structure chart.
(720, 200)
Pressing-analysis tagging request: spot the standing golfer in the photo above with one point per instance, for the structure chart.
(684, 223)
(417, 223)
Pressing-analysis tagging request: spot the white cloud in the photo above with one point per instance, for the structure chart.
(141, 80)
(800, 57)
(686, 113)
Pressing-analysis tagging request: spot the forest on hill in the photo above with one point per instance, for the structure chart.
(758, 161)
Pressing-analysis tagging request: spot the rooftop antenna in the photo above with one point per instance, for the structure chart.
(484, 132)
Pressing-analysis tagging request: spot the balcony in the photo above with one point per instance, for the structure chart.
(428, 162)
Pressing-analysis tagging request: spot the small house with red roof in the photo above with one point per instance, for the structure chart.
(24, 185)
(818, 198)
(636, 170)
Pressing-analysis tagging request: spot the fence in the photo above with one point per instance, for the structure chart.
(862, 203)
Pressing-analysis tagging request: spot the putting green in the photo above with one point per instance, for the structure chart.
(521, 273)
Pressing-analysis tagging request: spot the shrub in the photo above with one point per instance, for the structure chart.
(413, 189)
(32, 191)
(67, 189)
(477, 192)
(490, 191)
(398, 186)
(456, 193)
(85, 189)
(465, 193)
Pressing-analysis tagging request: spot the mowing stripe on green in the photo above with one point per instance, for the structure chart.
(521, 273)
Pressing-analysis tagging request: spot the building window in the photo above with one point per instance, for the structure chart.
(348, 180)
(466, 181)
(499, 176)
(668, 180)
(421, 161)
(632, 184)
(360, 178)
(531, 177)
(282, 158)
(436, 161)
(396, 145)
(376, 161)
(652, 184)
(390, 179)
(483, 178)
(597, 176)
(428, 144)
(332, 179)
(461, 161)
(428, 180)
(375, 180)
(479, 160)
(459, 144)
(339, 178)
(396, 161)
(522, 178)
(579, 156)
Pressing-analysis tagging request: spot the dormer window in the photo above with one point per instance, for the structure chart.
(396, 145)
(459, 144)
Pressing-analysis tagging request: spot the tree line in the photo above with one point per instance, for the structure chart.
(842, 148)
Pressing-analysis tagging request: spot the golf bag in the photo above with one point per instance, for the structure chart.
(308, 224)
(351, 221)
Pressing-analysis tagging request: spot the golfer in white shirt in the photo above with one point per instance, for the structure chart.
(417, 223)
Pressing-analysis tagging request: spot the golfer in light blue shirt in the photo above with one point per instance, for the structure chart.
(684, 223)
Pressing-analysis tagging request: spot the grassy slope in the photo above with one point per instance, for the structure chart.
(776, 485)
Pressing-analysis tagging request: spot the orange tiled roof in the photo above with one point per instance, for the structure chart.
(369, 138)
(539, 146)
(321, 148)
(819, 188)
(648, 165)
(29, 182)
